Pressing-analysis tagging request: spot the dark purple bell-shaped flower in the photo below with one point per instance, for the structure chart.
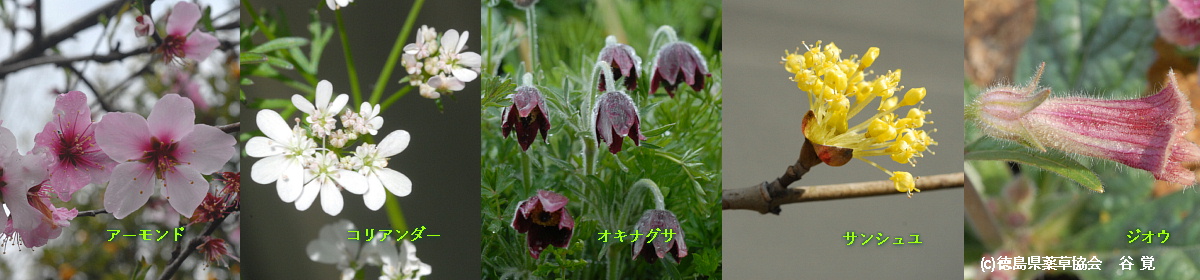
(667, 236)
(527, 116)
(624, 61)
(545, 221)
(617, 117)
(678, 62)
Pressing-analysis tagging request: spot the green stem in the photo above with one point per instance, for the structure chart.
(350, 69)
(650, 185)
(531, 20)
(395, 96)
(527, 169)
(589, 156)
(386, 73)
(395, 215)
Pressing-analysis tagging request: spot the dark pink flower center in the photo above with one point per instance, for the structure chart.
(172, 47)
(72, 148)
(161, 155)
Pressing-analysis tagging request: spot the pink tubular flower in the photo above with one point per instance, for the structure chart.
(1190, 9)
(166, 149)
(145, 26)
(1144, 133)
(70, 142)
(1176, 28)
(180, 40)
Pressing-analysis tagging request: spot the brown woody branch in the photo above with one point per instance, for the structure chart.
(766, 197)
(758, 198)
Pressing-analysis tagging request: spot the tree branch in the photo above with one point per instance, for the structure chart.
(176, 261)
(230, 128)
(61, 60)
(36, 48)
(91, 213)
(756, 198)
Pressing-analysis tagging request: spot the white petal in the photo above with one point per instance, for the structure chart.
(273, 126)
(464, 74)
(291, 183)
(470, 60)
(268, 169)
(450, 40)
(302, 104)
(324, 91)
(393, 143)
(339, 103)
(331, 199)
(351, 181)
(462, 41)
(395, 181)
(375, 195)
(259, 146)
(309, 195)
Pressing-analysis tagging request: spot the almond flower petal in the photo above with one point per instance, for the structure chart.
(1145, 133)
(70, 139)
(1190, 9)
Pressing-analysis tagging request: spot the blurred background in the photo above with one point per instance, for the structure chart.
(441, 160)
(762, 137)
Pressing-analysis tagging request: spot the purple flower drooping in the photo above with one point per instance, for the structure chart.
(70, 141)
(668, 236)
(616, 118)
(526, 116)
(624, 61)
(1144, 133)
(678, 62)
(545, 221)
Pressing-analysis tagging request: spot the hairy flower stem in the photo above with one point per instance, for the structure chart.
(527, 170)
(666, 31)
(531, 19)
(650, 185)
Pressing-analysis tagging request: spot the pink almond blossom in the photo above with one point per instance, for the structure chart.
(167, 149)
(22, 188)
(70, 141)
(181, 41)
(145, 26)
(1144, 133)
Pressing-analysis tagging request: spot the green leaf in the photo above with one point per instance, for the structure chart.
(1055, 161)
(279, 62)
(251, 58)
(272, 103)
(1092, 46)
(279, 44)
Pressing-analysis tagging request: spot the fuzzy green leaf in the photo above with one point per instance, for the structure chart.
(1055, 161)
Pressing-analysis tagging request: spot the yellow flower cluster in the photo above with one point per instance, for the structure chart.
(831, 82)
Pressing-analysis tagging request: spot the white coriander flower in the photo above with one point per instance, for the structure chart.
(337, 4)
(333, 246)
(370, 118)
(328, 178)
(400, 265)
(321, 116)
(441, 83)
(426, 43)
(379, 177)
(428, 91)
(463, 65)
(283, 151)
